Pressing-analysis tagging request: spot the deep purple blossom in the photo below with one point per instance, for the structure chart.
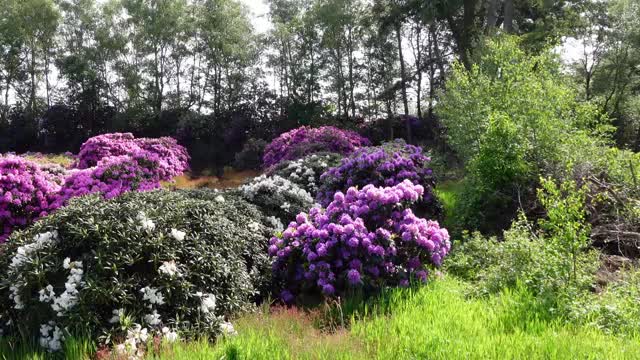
(385, 165)
(346, 245)
(303, 141)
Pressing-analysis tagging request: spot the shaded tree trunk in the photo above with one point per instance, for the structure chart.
(403, 79)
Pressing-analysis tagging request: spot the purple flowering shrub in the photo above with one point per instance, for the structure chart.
(385, 165)
(26, 193)
(173, 158)
(367, 238)
(113, 176)
(303, 141)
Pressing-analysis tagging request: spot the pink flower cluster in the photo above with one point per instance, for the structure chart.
(109, 164)
(304, 140)
(26, 193)
(173, 158)
(366, 238)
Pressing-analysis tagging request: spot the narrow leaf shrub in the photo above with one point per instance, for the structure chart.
(365, 239)
(137, 263)
(276, 197)
(306, 172)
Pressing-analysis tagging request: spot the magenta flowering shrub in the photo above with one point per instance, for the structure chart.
(173, 158)
(102, 146)
(115, 175)
(26, 193)
(304, 140)
(385, 165)
(367, 238)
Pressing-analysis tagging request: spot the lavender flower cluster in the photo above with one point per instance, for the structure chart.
(366, 238)
(26, 193)
(385, 165)
(305, 140)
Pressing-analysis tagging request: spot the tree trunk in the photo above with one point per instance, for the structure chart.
(403, 80)
(492, 15)
(32, 100)
(508, 16)
(351, 84)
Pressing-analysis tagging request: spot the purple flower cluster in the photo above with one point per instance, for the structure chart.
(113, 176)
(303, 141)
(109, 164)
(365, 238)
(173, 158)
(385, 165)
(26, 193)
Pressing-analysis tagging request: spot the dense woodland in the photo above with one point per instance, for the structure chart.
(71, 69)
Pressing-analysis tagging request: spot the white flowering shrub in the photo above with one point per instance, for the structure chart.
(147, 265)
(305, 172)
(276, 197)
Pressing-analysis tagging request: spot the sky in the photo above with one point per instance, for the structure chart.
(259, 10)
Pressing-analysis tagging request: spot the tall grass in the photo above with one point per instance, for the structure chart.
(435, 321)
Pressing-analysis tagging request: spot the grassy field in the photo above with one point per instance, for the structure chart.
(435, 321)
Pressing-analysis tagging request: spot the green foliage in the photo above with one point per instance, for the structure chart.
(128, 244)
(566, 227)
(615, 309)
(250, 158)
(509, 118)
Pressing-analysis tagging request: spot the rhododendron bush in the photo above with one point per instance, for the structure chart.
(306, 172)
(173, 158)
(26, 193)
(367, 238)
(304, 141)
(109, 164)
(161, 263)
(385, 165)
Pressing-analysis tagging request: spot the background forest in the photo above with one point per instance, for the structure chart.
(197, 70)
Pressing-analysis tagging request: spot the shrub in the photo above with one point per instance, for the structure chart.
(132, 265)
(509, 119)
(172, 157)
(364, 239)
(303, 141)
(26, 193)
(276, 196)
(385, 165)
(306, 172)
(250, 158)
(113, 176)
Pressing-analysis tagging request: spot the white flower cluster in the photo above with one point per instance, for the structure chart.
(169, 335)
(275, 222)
(208, 303)
(51, 336)
(153, 319)
(169, 268)
(254, 226)
(15, 296)
(275, 185)
(69, 298)
(152, 296)
(301, 173)
(177, 234)
(136, 335)
(145, 223)
(227, 330)
(25, 252)
(219, 199)
(118, 314)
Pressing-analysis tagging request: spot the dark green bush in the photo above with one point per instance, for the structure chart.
(128, 244)
(250, 158)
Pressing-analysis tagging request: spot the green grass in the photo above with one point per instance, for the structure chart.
(431, 322)
(448, 194)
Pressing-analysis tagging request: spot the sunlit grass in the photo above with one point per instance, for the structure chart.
(435, 321)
